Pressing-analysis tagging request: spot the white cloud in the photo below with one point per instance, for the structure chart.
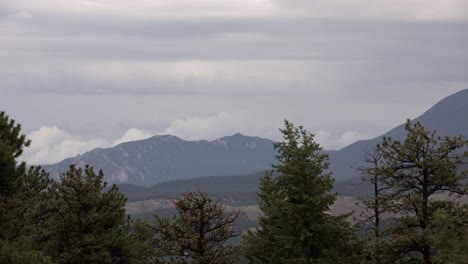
(349, 137)
(210, 127)
(133, 134)
(323, 137)
(52, 144)
(331, 141)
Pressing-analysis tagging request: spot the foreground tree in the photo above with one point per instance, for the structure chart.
(373, 208)
(197, 234)
(25, 205)
(85, 223)
(294, 199)
(14, 248)
(451, 238)
(425, 174)
(12, 143)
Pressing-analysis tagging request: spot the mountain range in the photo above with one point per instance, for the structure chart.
(167, 158)
(164, 158)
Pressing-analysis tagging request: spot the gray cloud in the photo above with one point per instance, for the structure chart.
(346, 68)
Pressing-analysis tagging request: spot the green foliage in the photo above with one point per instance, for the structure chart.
(295, 226)
(25, 206)
(197, 234)
(84, 224)
(21, 252)
(415, 172)
(11, 147)
(451, 236)
(14, 248)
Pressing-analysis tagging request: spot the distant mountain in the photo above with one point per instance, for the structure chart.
(241, 189)
(449, 117)
(168, 158)
(164, 158)
(236, 189)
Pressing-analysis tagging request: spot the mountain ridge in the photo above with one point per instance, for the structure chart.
(167, 158)
(448, 117)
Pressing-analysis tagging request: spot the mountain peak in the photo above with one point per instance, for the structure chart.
(237, 137)
(166, 138)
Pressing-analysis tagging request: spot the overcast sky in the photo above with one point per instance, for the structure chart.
(82, 74)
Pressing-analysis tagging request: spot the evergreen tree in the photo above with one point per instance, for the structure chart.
(12, 143)
(374, 207)
(416, 171)
(451, 238)
(197, 234)
(15, 247)
(294, 199)
(85, 223)
(26, 206)
(20, 252)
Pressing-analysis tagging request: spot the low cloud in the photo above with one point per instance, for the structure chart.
(133, 134)
(210, 127)
(332, 141)
(51, 144)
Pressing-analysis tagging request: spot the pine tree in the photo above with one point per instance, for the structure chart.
(373, 208)
(85, 222)
(416, 171)
(12, 143)
(197, 234)
(294, 199)
(24, 206)
(451, 238)
(15, 247)
(21, 252)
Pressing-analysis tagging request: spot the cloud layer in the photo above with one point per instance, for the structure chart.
(210, 47)
(83, 73)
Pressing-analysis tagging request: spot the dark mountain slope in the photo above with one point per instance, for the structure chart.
(449, 117)
(165, 158)
(240, 188)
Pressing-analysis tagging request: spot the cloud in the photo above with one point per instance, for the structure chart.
(399, 9)
(198, 62)
(183, 9)
(133, 134)
(350, 137)
(149, 8)
(22, 15)
(263, 47)
(52, 144)
(332, 141)
(323, 137)
(208, 128)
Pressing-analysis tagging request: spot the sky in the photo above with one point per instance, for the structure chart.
(84, 74)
